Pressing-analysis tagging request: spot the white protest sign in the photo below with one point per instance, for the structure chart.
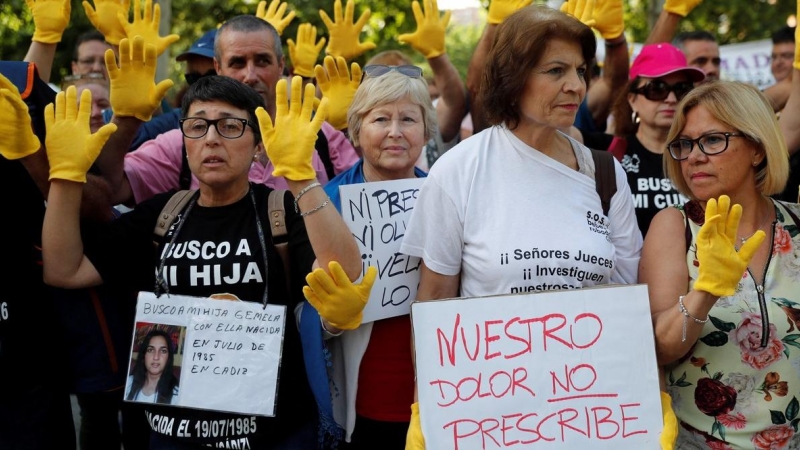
(561, 370)
(377, 214)
(748, 62)
(228, 353)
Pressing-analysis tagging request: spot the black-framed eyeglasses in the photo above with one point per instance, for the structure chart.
(710, 144)
(658, 90)
(227, 127)
(192, 77)
(378, 70)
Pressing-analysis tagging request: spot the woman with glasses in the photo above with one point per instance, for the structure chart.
(724, 281)
(223, 137)
(642, 114)
(523, 183)
(390, 120)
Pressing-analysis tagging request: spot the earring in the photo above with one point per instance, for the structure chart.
(635, 118)
(255, 157)
(755, 163)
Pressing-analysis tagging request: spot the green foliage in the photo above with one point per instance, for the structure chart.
(732, 20)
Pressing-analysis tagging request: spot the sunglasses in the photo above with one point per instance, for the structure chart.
(192, 77)
(658, 90)
(378, 70)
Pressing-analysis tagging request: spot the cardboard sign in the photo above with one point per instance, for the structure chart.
(226, 354)
(377, 214)
(556, 370)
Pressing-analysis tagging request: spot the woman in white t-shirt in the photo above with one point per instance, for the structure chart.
(515, 208)
(153, 380)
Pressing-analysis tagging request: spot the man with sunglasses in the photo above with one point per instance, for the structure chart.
(247, 49)
(659, 78)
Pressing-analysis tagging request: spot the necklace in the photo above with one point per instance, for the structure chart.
(760, 227)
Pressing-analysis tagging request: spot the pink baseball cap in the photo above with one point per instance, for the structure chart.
(658, 60)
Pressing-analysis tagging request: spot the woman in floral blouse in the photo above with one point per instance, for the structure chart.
(724, 281)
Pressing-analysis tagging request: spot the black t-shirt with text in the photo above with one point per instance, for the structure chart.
(218, 251)
(651, 190)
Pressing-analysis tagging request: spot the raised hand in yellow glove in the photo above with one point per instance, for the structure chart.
(339, 87)
(344, 33)
(414, 438)
(582, 10)
(71, 146)
(290, 143)
(18, 140)
(720, 266)
(337, 299)
(145, 24)
(670, 432)
(305, 52)
(500, 9)
(50, 17)
(428, 39)
(133, 92)
(681, 7)
(608, 18)
(105, 17)
(274, 14)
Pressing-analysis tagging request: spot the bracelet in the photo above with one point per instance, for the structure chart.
(326, 330)
(687, 316)
(302, 193)
(320, 206)
(622, 41)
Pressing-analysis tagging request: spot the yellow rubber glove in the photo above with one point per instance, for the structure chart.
(669, 435)
(681, 7)
(18, 140)
(414, 438)
(608, 18)
(50, 18)
(105, 17)
(428, 39)
(133, 92)
(274, 14)
(145, 24)
(582, 10)
(71, 146)
(796, 63)
(339, 87)
(344, 33)
(337, 299)
(305, 52)
(720, 266)
(290, 143)
(500, 9)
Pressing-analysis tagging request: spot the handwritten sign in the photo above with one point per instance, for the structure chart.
(377, 214)
(231, 350)
(560, 370)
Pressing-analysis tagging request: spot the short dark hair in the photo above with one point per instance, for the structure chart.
(248, 24)
(88, 36)
(228, 90)
(520, 42)
(697, 35)
(783, 35)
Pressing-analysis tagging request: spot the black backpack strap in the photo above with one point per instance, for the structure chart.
(324, 154)
(185, 177)
(605, 178)
(277, 224)
(171, 210)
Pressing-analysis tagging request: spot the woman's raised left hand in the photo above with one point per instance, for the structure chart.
(290, 142)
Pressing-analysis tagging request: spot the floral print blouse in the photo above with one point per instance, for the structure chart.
(739, 385)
